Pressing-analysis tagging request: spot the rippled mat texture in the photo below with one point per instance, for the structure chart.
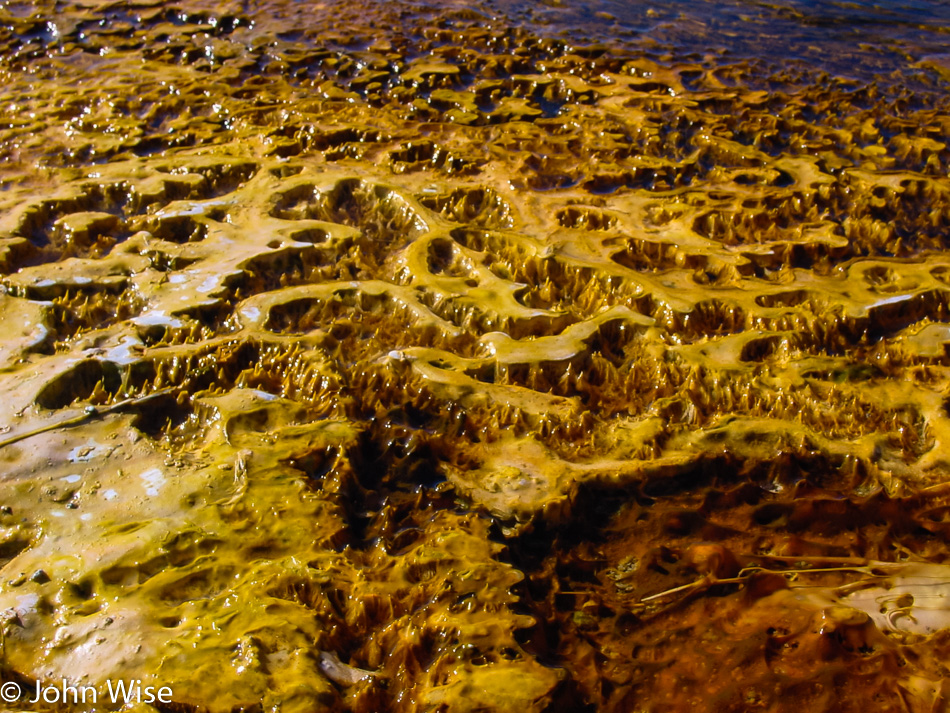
(476, 357)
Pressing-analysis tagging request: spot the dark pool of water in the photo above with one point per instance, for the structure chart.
(864, 40)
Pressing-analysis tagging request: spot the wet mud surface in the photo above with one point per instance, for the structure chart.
(397, 357)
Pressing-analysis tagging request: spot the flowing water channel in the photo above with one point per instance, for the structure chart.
(476, 356)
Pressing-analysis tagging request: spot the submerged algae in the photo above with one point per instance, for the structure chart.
(402, 370)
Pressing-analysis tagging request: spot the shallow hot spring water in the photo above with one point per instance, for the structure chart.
(469, 357)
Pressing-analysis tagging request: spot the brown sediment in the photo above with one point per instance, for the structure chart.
(457, 367)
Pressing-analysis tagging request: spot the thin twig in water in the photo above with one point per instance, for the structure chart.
(88, 414)
(747, 572)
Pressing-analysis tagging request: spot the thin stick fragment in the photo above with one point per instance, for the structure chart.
(88, 414)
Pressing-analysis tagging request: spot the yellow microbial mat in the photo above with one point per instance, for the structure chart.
(450, 357)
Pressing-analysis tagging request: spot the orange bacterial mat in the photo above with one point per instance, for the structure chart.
(410, 357)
